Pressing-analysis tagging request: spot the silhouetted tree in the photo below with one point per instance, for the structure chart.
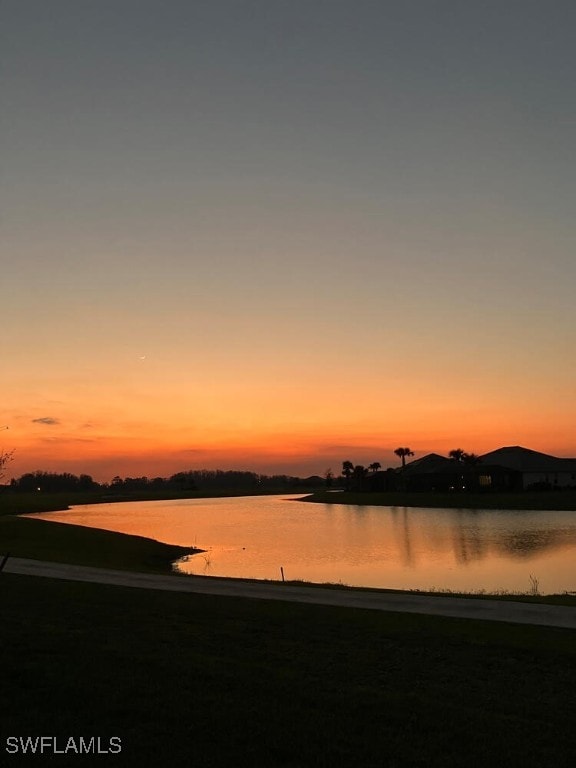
(347, 470)
(54, 482)
(471, 459)
(329, 477)
(402, 453)
(375, 466)
(5, 458)
(457, 453)
(358, 476)
(86, 483)
(217, 479)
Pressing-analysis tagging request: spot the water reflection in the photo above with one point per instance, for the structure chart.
(477, 534)
(399, 547)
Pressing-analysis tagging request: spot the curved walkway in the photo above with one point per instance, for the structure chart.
(458, 607)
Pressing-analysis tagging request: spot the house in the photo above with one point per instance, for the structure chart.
(538, 470)
(511, 468)
(438, 473)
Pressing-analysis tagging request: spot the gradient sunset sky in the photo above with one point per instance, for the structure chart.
(279, 234)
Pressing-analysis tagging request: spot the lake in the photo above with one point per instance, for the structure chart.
(390, 547)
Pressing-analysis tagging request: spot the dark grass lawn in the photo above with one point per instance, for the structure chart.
(206, 681)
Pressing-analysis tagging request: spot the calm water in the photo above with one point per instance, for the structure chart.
(396, 547)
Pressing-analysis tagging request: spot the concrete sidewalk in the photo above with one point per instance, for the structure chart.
(457, 607)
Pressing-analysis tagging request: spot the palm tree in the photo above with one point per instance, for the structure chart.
(463, 458)
(347, 470)
(360, 472)
(403, 452)
(375, 466)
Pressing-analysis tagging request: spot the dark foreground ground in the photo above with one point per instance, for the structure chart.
(215, 681)
(218, 681)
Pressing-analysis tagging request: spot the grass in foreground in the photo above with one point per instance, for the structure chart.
(544, 500)
(226, 682)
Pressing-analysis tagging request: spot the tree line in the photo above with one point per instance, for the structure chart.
(191, 480)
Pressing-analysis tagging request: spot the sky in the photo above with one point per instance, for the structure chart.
(280, 234)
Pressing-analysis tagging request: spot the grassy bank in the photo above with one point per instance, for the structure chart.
(63, 543)
(545, 500)
(30, 503)
(219, 682)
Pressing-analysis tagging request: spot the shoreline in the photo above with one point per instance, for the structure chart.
(544, 501)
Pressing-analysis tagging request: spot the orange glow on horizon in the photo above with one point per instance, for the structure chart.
(161, 452)
(160, 413)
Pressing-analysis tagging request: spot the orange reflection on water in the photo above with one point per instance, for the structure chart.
(394, 547)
